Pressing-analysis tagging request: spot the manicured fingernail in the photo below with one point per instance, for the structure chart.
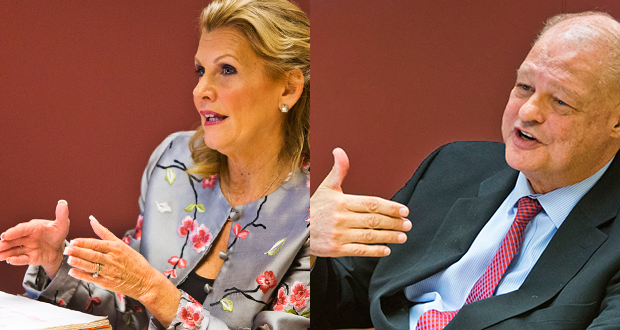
(93, 219)
(71, 272)
(402, 238)
(70, 260)
(407, 225)
(404, 212)
(386, 251)
(62, 201)
(66, 251)
(71, 242)
(2, 236)
(7, 260)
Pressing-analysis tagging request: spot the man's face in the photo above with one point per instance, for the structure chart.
(557, 124)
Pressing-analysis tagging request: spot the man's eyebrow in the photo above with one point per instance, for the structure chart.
(571, 93)
(523, 72)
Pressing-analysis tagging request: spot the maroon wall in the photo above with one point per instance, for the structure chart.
(394, 80)
(87, 91)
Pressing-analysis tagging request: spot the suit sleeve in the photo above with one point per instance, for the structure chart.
(341, 294)
(609, 315)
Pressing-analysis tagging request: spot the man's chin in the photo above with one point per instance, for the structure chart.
(521, 160)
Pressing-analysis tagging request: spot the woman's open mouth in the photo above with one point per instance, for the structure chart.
(212, 117)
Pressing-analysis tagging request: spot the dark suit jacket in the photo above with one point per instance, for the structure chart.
(574, 285)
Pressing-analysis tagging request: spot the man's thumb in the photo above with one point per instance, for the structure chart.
(62, 214)
(335, 177)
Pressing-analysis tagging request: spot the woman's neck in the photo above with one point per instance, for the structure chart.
(250, 178)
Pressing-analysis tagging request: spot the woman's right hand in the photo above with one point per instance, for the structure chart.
(37, 242)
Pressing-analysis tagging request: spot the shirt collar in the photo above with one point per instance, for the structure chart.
(558, 203)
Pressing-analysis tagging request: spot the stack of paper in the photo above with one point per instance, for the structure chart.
(26, 314)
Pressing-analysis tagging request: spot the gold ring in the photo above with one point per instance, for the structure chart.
(97, 271)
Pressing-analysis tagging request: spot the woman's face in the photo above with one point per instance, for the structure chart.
(237, 101)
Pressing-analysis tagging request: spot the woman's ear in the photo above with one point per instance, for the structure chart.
(293, 87)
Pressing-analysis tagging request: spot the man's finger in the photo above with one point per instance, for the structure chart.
(378, 221)
(362, 250)
(369, 236)
(370, 204)
(62, 215)
(101, 231)
(334, 179)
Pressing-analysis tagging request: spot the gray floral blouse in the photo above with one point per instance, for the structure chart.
(264, 282)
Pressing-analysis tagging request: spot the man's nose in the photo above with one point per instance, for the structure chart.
(533, 110)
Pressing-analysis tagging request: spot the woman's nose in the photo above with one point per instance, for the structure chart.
(204, 90)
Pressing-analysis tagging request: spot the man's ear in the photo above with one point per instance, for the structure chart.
(293, 87)
(615, 121)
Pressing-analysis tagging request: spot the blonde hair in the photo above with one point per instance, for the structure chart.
(279, 33)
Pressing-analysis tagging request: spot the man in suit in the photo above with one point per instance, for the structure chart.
(505, 236)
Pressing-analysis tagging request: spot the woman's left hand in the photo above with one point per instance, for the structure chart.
(123, 270)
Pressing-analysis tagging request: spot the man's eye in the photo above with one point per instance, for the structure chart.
(560, 102)
(524, 87)
(228, 69)
(200, 71)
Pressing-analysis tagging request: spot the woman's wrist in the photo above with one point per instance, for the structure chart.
(162, 299)
(51, 269)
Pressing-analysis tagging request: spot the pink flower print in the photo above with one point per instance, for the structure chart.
(308, 218)
(210, 182)
(138, 234)
(182, 263)
(281, 301)
(200, 238)
(92, 302)
(127, 240)
(190, 316)
(188, 225)
(240, 233)
(61, 303)
(171, 272)
(300, 294)
(267, 281)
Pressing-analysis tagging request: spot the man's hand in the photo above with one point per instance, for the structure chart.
(349, 225)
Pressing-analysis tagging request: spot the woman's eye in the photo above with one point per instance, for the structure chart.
(200, 71)
(228, 70)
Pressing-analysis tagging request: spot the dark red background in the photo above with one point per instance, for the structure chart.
(395, 79)
(87, 91)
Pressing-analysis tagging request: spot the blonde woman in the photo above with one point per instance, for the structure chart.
(221, 241)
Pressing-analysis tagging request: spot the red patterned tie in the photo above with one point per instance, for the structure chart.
(527, 209)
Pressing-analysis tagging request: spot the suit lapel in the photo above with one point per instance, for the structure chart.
(578, 237)
(459, 229)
